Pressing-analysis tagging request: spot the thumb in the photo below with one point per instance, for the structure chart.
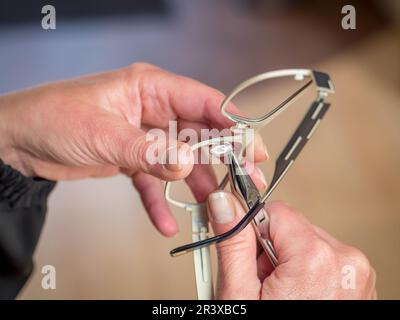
(132, 149)
(237, 268)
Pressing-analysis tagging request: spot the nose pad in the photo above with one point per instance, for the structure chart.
(220, 150)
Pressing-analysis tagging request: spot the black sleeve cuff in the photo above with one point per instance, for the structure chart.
(23, 206)
(16, 190)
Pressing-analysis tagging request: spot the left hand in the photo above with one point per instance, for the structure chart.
(95, 126)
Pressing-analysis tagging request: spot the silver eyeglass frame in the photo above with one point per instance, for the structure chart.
(241, 185)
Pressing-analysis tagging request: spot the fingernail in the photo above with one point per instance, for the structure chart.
(261, 176)
(259, 143)
(177, 157)
(266, 151)
(222, 209)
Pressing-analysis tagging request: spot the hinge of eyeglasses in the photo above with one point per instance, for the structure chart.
(323, 82)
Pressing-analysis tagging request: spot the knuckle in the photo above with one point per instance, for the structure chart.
(140, 66)
(233, 248)
(280, 208)
(281, 211)
(320, 254)
(136, 153)
(361, 263)
(134, 72)
(358, 260)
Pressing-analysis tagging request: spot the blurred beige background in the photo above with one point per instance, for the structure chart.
(97, 234)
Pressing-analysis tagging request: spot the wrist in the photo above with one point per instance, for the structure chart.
(16, 189)
(8, 150)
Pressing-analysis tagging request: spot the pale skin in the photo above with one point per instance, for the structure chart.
(311, 261)
(95, 126)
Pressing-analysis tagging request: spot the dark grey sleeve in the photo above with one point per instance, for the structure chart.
(23, 204)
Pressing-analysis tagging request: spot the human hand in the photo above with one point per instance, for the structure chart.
(312, 264)
(95, 126)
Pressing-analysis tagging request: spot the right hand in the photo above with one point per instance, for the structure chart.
(312, 264)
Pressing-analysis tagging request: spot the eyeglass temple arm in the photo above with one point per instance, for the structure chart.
(296, 143)
(298, 140)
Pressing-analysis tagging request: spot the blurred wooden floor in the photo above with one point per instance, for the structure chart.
(347, 180)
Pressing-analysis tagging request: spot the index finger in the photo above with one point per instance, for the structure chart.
(168, 96)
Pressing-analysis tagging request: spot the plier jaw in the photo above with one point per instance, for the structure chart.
(243, 187)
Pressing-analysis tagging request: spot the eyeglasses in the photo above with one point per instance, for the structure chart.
(240, 183)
